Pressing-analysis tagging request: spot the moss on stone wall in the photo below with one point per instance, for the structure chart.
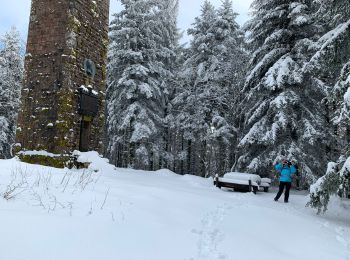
(65, 124)
(73, 24)
(56, 162)
(60, 161)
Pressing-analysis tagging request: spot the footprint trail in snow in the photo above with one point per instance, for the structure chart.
(210, 235)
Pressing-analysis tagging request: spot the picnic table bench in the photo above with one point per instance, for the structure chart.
(243, 182)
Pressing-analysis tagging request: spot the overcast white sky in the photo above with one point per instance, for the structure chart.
(16, 13)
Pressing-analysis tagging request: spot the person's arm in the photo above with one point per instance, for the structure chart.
(293, 170)
(278, 167)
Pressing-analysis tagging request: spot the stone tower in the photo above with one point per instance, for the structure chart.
(64, 88)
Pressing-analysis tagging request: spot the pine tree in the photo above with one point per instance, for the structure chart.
(175, 151)
(234, 68)
(202, 101)
(190, 114)
(170, 39)
(336, 181)
(280, 110)
(11, 72)
(139, 56)
(330, 66)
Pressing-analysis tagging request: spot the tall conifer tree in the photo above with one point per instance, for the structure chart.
(203, 98)
(139, 57)
(330, 67)
(11, 73)
(281, 111)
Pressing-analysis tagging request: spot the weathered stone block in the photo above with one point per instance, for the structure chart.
(56, 162)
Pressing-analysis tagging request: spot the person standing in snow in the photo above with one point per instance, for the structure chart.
(286, 171)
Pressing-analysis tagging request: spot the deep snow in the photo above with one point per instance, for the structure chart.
(136, 215)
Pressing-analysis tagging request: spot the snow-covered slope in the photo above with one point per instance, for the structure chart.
(135, 215)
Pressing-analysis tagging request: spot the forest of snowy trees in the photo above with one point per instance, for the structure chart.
(170, 106)
(234, 98)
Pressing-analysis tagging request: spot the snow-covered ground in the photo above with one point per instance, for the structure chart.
(135, 215)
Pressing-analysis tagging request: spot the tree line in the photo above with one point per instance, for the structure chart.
(169, 105)
(237, 98)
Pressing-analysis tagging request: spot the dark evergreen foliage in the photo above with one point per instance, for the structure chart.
(11, 73)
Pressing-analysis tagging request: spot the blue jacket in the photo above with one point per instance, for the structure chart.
(286, 172)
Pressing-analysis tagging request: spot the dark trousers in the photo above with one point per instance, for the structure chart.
(281, 188)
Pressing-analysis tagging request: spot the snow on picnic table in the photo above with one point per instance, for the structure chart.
(136, 215)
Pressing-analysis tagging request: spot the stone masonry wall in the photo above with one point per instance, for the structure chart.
(62, 34)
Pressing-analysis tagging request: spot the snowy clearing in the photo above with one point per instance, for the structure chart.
(137, 215)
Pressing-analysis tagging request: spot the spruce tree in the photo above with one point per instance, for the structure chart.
(336, 181)
(280, 111)
(139, 55)
(11, 73)
(202, 101)
(330, 66)
(190, 117)
(234, 68)
(170, 39)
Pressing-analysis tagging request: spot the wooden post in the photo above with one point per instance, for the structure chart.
(250, 186)
(216, 180)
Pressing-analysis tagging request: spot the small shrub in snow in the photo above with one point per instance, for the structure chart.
(42, 189)
(18, 184)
